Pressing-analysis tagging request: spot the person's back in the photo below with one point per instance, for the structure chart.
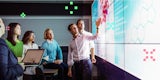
(10, 69)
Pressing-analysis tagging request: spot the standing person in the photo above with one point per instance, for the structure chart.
(13, 41)
(79, 53)
(10, 69)
(53, 57)
(81, 26)
(28, 41)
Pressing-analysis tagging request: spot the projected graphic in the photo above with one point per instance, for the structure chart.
(129, 37)
(149, 53)
(7, 28)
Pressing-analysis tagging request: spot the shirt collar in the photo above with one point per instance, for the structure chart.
(76, 37)
(83, 32)
(49, 41)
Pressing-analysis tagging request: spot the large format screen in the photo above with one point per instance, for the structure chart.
(129, 35)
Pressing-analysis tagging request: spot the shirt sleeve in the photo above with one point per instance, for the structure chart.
(45, 55)
(35, 46)
(59, 52)
(90, 37)
(45, 49)
(91, 44)
(24, 51)
(3, 61)
(8, 72)
(70, 57)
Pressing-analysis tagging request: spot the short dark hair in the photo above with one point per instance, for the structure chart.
(69, 27)
(78, 21)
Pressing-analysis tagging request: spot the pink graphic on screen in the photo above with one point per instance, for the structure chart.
(7, 28)
(149, 55)
(104, 6)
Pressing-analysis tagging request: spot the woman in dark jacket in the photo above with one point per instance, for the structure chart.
(9, 67)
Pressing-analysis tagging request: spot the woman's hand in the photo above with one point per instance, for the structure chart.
(44, 63)
(57, 61)
(19, 59)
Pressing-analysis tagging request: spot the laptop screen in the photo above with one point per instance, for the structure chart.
(33, 56)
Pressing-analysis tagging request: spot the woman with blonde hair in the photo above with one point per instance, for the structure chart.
(53, 57)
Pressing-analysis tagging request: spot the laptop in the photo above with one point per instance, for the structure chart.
(33, 57)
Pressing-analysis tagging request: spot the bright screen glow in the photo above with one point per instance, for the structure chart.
(129, 38)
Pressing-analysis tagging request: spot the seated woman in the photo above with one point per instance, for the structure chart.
(53, 58)
(28, 41)
(13, 41)
(10, 69)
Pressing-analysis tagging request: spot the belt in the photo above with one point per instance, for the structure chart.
(77, 61)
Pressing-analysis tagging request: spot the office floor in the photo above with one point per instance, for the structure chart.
(102, 70)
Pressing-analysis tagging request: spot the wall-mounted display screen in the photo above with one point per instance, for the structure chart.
(129, 35)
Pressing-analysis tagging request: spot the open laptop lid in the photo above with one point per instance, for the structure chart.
(33, 57)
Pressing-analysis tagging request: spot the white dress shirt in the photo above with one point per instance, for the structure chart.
(91, 42)
(79, 48)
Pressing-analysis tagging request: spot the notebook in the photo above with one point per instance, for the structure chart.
(33, 57)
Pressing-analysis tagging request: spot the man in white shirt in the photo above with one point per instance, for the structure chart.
(79, 53)
(81, 30)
